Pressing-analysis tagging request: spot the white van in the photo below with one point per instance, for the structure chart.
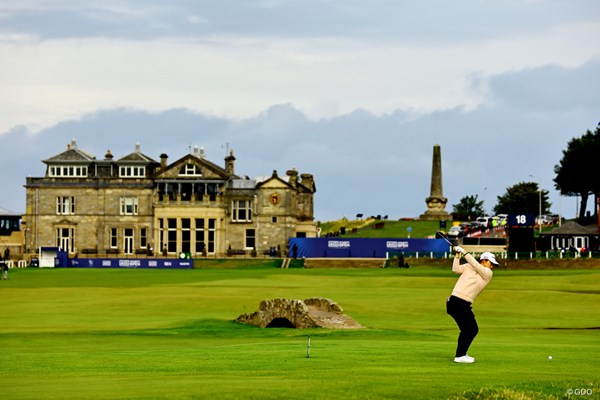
(483, 221)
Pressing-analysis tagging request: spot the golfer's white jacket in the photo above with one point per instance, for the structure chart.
(474, 277)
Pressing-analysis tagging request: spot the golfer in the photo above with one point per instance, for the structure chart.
(474, 277)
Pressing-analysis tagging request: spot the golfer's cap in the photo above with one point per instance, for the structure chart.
(489, 256)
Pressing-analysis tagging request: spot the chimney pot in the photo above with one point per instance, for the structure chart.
(163, 161)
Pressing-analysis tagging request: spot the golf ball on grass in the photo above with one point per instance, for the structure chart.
(549, 358)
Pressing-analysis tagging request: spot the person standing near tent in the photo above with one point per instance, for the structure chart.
(474, 277)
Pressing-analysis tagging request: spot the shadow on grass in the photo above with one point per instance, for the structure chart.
(215, 328)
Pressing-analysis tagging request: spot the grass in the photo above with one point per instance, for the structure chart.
(394, 229)
(150, 334)
(365, 228)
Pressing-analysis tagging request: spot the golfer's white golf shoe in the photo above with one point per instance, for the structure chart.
(464, 360)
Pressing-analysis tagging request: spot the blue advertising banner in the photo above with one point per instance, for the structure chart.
(158, 263)
(363, 248)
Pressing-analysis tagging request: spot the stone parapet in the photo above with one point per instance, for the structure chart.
(293, 313)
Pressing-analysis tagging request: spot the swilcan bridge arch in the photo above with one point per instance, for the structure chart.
(293, 313)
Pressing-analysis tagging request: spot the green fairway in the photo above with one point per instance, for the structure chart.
(150, 334)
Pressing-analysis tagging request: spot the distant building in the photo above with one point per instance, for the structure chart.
(571, 235)
(9, 222)
(11, 236)
(138, 206)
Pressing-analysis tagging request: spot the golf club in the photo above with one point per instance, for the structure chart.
(440, 235)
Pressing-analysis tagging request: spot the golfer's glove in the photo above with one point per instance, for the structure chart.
(459, 250)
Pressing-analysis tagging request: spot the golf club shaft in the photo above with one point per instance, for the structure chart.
(440, 235)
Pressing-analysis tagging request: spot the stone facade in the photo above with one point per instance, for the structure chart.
(136, 206)
(292, 313)
(436, 202)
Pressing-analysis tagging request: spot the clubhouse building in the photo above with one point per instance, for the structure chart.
(136, 206)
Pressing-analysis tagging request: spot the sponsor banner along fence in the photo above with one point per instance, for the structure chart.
(157, 263)
(363, 248)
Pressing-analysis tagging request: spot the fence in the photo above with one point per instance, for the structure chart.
(16, 264)
(551, 255)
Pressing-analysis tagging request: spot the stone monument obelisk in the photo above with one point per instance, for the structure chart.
(436, 202)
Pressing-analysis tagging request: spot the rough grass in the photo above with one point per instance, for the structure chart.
(149, 334)
(585, 389)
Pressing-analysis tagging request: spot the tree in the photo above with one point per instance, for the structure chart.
(523, 198)
(576, 174)
(468, 208)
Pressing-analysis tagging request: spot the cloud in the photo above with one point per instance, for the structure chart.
(409, 22)
(362, 162)
(355, 92)
(238, 58)
(242, 77)
(549, 87)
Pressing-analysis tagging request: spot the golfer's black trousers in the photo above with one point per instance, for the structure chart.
(462, 313)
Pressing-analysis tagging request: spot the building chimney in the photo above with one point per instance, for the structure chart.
(309, 181)
(293, 176)
(73, 144)
(230, 163)
(198, 151)
(163, 161)
(138, 147)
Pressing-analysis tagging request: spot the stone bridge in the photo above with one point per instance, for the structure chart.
(292, 313)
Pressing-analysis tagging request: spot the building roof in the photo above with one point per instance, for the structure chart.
(241, 183)
(573, 228)
(7, 213)
(136, 157)
(274, 177)
(72, 154)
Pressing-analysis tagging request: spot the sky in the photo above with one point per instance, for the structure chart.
(356, 93)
